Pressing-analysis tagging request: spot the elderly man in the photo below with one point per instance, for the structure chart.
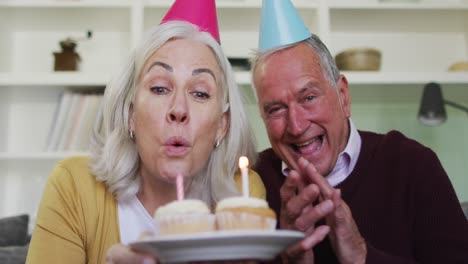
(377, 198)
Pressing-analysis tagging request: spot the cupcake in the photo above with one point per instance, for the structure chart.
(184, 216)
(244, 213)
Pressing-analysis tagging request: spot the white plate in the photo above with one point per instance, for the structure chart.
(221, 245)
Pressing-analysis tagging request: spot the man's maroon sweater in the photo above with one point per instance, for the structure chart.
(401, 199)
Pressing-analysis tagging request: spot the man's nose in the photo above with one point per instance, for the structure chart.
(297, 122)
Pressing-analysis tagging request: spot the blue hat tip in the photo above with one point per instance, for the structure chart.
(280, 25)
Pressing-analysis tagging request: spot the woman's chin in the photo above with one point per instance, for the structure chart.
(171, 169)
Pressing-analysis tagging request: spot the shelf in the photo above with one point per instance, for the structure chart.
(8, 156)
(300, 4)
(404, 87)
(65, 3)
(75, 79)
(53, 79)
(388, 87)
(395, 78)
(456, 6)
(406, 77)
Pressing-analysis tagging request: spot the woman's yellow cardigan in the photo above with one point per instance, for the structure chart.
(77, 221)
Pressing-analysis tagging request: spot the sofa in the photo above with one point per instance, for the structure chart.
(14, 239)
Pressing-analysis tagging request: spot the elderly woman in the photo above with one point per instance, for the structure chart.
(174, 108)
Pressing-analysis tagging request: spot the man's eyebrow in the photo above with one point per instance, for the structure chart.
(167, 67)
(203, 70)
(306, 88)
(268, 105)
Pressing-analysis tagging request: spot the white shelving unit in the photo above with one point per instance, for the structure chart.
(419, 41)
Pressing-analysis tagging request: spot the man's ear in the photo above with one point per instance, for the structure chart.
(344, 96)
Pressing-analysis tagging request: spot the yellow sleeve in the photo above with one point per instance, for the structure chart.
(58, 236)
(256, 187)
(77, 220)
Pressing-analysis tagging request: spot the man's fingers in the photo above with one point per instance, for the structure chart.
(309, 169)
(290, 186)
(313, 215)
(319, 235)
(309, 241)
(336, 198)
(303, 200)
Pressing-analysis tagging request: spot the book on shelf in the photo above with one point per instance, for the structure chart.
(98, 122)
(58, 121)
(75, 116)
(84, 129)
(77, 119)
(76, 101)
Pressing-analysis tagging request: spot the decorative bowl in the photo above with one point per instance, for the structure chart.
(459, 66)
(359, 59)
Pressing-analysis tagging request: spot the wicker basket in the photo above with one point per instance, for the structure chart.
(359, 59)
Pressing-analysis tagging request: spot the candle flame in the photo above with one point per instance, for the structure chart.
(243, 162)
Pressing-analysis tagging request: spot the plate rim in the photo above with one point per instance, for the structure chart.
(221, 234)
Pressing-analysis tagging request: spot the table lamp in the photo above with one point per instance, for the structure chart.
(432, 108)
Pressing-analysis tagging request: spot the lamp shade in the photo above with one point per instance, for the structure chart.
(432, 109)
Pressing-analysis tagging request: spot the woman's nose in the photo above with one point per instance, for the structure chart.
(178, 111)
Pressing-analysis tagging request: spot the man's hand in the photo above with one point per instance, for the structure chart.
(349, 245)
(120, 254)
(298, 213)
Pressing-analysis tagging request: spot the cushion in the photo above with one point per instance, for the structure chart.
(14, 231)
(13, 255)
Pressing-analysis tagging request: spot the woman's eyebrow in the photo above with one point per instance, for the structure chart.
(167, 67)
(203, 70)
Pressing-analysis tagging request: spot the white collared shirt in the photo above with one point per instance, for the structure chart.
(346, 161)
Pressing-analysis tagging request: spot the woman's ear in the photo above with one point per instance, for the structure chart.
(131, 123)
(224, 125)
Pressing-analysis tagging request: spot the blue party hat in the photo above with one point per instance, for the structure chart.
(280, 25)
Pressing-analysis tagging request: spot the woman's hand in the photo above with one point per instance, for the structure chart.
(120, 254)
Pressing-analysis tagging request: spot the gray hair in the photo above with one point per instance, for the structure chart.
(326, 59)
(114, 157)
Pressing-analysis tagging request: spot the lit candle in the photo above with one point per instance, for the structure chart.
(180, 187)
(243, 165)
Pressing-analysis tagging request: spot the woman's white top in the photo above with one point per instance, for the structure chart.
(134, 220)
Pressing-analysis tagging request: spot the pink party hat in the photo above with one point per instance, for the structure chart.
(201, 13)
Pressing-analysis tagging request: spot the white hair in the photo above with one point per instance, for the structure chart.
(114, 156)
(326, 59)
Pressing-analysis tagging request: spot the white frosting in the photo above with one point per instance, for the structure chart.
(240, 201)
(188, 206)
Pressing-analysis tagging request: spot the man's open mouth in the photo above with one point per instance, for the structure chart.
(311, 145)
